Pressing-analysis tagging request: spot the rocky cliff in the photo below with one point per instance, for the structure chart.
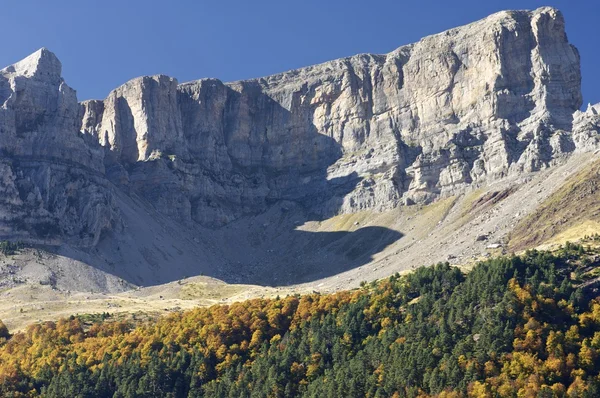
(53, 185)
(455, 111)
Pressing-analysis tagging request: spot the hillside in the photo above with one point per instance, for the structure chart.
(526, 326)
(460, 230)
(571, 212)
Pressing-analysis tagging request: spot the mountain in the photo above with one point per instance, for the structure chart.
(334, 173)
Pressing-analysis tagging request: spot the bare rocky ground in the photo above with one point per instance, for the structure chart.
(41, 284)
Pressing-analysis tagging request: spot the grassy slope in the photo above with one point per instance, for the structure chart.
(570, 213)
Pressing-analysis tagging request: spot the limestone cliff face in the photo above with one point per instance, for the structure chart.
(586, 129)
(454, 111)
(457, 109)
(53, 188)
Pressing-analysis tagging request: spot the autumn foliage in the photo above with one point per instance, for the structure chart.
(524, 326)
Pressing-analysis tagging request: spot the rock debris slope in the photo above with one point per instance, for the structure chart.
(214, 168)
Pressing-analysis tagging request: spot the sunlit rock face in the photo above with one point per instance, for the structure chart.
(454, 111)
(463, 107)
(586, 129)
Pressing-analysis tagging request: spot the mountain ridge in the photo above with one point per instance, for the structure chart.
(242, 181)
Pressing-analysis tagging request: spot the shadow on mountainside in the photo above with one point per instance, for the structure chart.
(278, 251)
(267, 243)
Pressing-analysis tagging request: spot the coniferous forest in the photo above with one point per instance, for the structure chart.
(522, 326)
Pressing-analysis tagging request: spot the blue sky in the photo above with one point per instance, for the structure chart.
(102, 44)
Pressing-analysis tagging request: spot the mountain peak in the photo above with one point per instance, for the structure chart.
(42, 64)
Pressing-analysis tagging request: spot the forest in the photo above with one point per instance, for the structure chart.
(513, 326)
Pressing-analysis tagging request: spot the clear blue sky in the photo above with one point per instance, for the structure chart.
(102, 44)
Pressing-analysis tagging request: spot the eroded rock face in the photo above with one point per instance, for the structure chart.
(461, 108)
(586, 129)
(53, 185)
(456, 110)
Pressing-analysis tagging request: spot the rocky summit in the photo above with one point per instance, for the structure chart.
(165, 180)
